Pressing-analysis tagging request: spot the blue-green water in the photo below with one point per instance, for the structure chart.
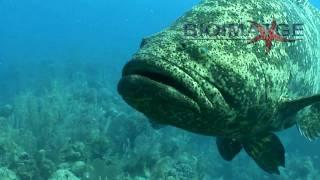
(60, 113)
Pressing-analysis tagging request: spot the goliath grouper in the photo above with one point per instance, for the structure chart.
(230, 89)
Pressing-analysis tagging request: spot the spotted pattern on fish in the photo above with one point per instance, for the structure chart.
(252, 84)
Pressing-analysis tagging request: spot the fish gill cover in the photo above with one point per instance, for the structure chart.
(61, 116)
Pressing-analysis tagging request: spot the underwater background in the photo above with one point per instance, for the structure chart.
(62, 118)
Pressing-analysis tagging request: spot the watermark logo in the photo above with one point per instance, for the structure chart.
(269, 35)
(244, 32)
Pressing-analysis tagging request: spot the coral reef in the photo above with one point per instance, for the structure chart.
(7, 174)
(6, 111)
(25, 166)
(81, 129)
(63, 175)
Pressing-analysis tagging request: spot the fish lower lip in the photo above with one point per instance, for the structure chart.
(156, 100)
(157, 75)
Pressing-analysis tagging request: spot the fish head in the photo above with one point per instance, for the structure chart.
(172, 87)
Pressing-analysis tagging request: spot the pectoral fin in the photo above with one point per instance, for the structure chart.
(228, 148)
(267, 151)
(288, 108)
(308, 122)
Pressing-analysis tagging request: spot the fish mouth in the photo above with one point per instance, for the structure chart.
(158, 89)
(158, 75)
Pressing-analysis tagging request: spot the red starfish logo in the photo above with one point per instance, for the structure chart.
(268, 36)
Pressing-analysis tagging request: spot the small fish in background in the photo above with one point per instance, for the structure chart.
(228, 89)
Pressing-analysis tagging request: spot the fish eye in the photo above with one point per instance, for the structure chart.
(143, 42)
(183, 45)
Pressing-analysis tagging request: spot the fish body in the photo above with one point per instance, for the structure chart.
(228, 88)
